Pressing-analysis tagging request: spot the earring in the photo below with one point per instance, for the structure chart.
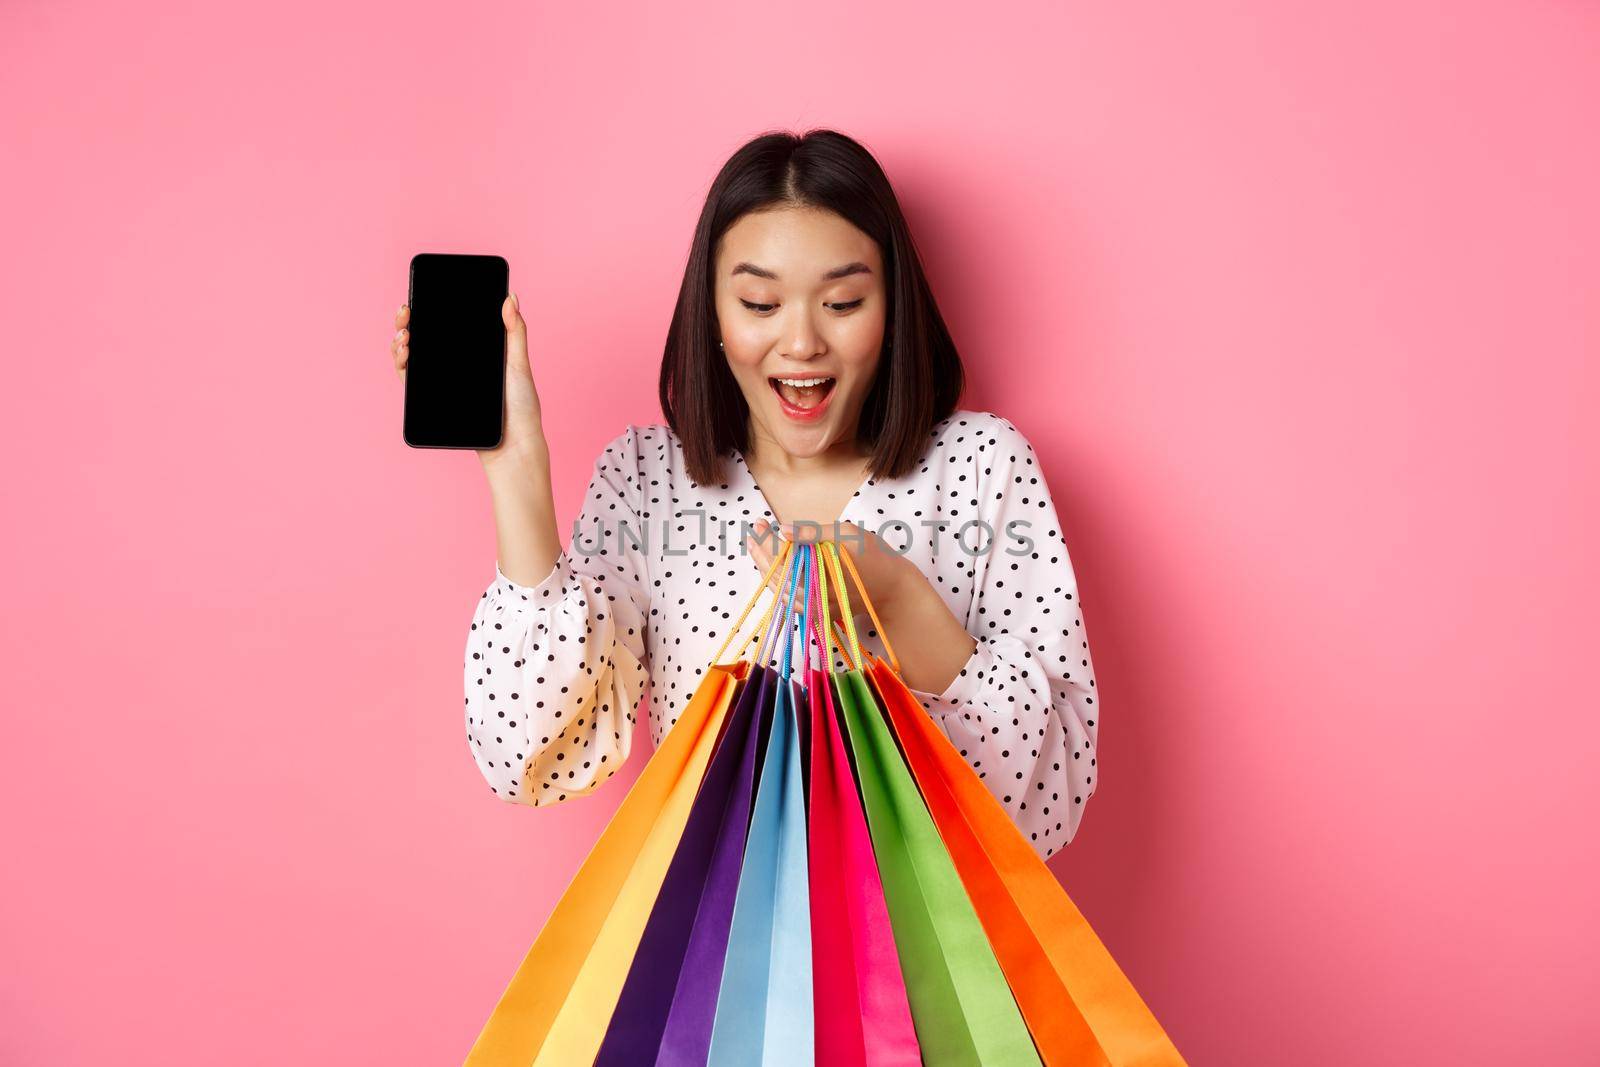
(719, 344)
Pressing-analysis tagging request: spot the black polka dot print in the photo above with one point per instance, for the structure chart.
(656, 572)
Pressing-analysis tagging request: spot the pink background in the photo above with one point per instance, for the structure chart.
(1296, 301)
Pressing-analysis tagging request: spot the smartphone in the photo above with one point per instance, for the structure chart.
(456, 372)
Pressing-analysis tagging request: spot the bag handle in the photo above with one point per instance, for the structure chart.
(795, 570)
(804, 632)
(822, 623)
(769, 621)
(780, 622)
(843, 596)
(826, 555)
(826, 623)
(816, 576)
(833, 550)
(755, 597)
(835, 629)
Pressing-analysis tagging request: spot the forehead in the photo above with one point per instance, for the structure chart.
(796, 243)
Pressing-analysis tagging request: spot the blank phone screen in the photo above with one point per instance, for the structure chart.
(455, 373)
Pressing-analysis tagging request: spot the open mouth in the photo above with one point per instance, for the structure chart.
(803, 395)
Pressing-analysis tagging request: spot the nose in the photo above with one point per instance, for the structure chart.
(804, 340)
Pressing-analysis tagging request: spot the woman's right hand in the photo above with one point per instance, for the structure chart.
(523, 438)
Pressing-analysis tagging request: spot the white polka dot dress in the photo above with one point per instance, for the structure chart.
(656, 571)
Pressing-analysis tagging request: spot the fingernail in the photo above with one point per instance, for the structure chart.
(515, 302)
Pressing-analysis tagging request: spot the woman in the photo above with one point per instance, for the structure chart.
(809, 381)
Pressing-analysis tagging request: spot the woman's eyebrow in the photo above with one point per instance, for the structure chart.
(838, 272)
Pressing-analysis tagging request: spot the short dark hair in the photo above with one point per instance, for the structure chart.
(919, 378)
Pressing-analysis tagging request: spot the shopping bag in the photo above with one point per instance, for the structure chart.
(640, 1017)
(1077, 1001)
(1079, 1005)
(961, 1005)
(602, 911)
(556, 1008)
(862, 1014)
(686, 1040)
(764, 1007)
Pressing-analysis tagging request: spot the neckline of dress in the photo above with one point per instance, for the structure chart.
(766, 505)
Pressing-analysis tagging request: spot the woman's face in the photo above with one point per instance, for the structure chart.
(801, 308)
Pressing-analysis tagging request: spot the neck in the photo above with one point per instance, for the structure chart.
(765, 452)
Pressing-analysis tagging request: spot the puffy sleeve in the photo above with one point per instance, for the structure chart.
(555, 671)
(1023, 710)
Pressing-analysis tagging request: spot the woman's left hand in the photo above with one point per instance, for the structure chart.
(886, 574)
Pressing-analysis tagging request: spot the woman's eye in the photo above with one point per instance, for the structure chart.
(760, 309)
(851, 306)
